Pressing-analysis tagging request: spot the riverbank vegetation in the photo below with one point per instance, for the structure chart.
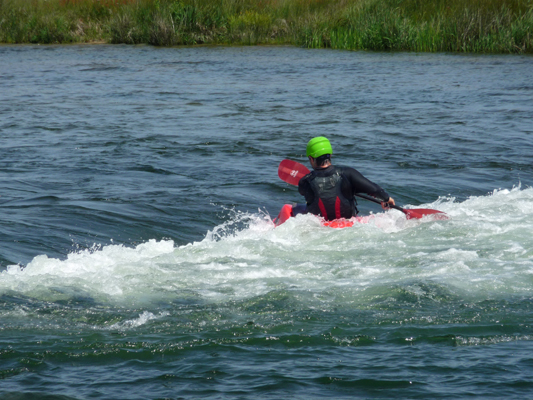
(492, 26)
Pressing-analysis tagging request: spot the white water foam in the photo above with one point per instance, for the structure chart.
(143, 318)
(485, 250)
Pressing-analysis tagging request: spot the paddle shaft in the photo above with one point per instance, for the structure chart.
(364, 196)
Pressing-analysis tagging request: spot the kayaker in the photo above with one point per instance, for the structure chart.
(329, 190)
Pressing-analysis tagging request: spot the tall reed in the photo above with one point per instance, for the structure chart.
(496, 26)
(466, 26)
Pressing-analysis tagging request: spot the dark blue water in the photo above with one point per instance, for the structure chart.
(138, 258)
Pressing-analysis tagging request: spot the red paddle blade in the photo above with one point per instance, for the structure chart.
(291, 171)
(422, 212)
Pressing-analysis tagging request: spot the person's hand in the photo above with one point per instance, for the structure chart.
(386, 204)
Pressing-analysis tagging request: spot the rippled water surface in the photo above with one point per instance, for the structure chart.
(138, 258)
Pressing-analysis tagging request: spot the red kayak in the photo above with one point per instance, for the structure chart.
(286, 213)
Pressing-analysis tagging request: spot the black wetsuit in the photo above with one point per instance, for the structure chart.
(329, 192)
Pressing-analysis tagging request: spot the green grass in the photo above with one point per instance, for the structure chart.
(480, 26)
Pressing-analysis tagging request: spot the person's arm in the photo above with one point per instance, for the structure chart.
(304, 188)
(360, 184)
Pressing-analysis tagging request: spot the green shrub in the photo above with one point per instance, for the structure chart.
(497, 26)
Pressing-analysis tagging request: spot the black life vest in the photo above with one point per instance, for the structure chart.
(329, 202)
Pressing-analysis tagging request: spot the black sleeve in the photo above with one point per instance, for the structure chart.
(359, 184)
(304, 188)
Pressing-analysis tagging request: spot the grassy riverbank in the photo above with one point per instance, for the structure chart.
(496, 26)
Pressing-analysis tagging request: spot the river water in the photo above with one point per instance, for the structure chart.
(138, 259)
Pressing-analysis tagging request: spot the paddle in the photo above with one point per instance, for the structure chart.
(409, 213)
(292, 171)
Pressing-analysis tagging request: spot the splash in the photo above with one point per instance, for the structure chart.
(143, 319)
(485, 250)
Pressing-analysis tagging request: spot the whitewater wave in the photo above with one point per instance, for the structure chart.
(484, 249)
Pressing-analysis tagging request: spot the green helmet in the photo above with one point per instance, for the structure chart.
(318, 147)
